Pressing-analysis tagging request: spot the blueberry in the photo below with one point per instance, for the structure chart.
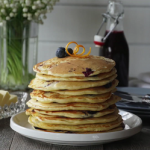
(70, 51)
(108, 85)
(92, 112)
(87, 72)
(60, 53)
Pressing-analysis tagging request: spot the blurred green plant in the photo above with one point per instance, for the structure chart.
(15, 18)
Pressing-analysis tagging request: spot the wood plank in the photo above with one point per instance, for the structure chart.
(139, 59)
(72, 23)
(6, 134)
(103, 2)
(63, 147)
(22, 143)
(140, 141)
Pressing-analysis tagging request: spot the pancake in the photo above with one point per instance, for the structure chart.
(94, 90)
(50, 97)
(100, 76)
(119, 128)
(74, 113)
(74, 121)
(74, 66)
(86, 127)
(43, 85)
(73, 106)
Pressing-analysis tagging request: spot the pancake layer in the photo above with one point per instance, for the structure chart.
(94, 90)
(100, 76)
(74, 66)
(43, 85)
(75, 113)
(87, 127)
(74, 121)
(119, 128)
(50, 97)
(73, 106)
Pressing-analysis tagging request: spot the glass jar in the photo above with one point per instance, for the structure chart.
(18, 53)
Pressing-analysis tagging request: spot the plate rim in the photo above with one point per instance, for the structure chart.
(80, 138)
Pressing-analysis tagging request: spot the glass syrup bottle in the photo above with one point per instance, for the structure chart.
(115, 45)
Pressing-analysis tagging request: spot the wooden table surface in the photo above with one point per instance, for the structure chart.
(10, 140)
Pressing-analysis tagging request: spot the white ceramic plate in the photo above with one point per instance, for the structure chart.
(132, 123)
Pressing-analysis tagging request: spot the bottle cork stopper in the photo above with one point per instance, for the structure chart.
(98, 41)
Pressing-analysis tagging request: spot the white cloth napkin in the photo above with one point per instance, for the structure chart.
(143, 81)
(145, 77)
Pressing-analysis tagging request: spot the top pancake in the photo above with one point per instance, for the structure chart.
(74, 66)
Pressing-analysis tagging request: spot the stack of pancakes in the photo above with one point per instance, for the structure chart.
(74, 95)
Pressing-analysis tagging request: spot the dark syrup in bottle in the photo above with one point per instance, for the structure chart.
(116, 48)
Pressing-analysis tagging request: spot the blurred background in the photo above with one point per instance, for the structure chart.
(76, 20)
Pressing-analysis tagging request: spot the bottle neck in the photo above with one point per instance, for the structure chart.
(110, 25)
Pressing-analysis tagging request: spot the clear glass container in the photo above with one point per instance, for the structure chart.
(7, 111)
(18, 53)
